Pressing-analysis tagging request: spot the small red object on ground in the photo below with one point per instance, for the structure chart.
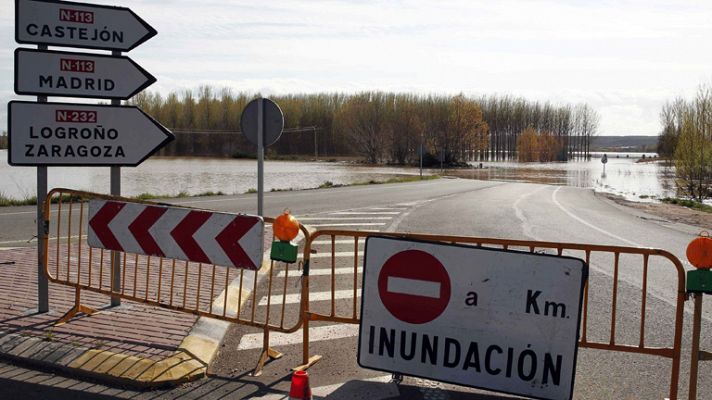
(300, 389)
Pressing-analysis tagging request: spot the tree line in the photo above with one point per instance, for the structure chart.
(378, 126)
(686, 138)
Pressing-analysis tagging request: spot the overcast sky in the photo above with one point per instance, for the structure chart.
(624, 58)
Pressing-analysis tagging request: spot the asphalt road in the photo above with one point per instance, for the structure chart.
(446, 206)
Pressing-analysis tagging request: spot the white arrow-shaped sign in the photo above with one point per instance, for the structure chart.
(80, 134)
(61, 73)
(64, 23)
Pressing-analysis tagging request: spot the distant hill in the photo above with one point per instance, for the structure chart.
(624, 143)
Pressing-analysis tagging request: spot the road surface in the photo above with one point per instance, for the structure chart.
(453, 207)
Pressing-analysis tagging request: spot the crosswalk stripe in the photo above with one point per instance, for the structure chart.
(324, 271)
(366, 212)
(337, 254)
(316, 334)
(295, 298)
(351, 224)
(337, 241)
(344, 218)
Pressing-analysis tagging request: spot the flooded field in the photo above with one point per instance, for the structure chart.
(170, 176)
(636, 181)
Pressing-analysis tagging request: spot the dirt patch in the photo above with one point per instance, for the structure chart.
(670, 212)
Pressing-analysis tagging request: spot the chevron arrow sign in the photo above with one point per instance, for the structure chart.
(231, 240)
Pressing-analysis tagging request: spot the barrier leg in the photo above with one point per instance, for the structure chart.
(306, 316)
(695, 357)
(268, 353)
(76, 309)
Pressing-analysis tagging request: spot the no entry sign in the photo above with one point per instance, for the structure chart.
(493, 319)
(414, 286)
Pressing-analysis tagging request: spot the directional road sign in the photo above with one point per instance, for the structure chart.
(64, 23)
(60, 73)
(232, 240)
(80, 134)
(493, 319)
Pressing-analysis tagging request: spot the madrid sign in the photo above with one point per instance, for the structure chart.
(81, 134)
(61, 73)
(501, 320)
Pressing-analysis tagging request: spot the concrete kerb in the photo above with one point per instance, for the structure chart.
(189, 362)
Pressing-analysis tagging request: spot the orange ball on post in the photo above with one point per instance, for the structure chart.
(285, 227)
(699, 251)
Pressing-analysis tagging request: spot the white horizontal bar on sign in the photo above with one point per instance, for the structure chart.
(344, 218)
(324, 271)
(366, 212)
(413, 287)
(316, 334)
(328, 255)
(354, 224)
(295, 298)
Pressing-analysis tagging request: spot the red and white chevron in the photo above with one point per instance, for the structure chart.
(232, 240)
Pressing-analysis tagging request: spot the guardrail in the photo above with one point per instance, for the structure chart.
(224, 293)
(343, 307)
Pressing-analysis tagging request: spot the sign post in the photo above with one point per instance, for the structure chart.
(42, 134)
(493, 319)
(261, 122)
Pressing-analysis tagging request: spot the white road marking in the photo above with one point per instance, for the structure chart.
(328, 255)
(337, 241)
(414, 287)
(354, 224)
(365, 212)
(526, 226)
(316, 334)
(344, 218)
(295, 298)
(605, 232)
(324, 271)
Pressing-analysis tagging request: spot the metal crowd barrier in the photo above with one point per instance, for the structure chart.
(214, 291)
(344, 282)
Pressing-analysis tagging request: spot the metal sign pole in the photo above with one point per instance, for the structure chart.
(42, 283)
(115, 178)
(260, 155)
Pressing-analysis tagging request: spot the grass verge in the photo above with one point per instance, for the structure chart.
(29, 201)
(688, 203)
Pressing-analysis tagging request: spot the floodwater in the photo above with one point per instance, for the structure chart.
(623, 175)
(170, 176)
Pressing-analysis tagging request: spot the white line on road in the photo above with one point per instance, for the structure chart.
(324, 271)
(605, 232)
(365, 212)
(316, 334)
(354, 224)
(295, 298)
(337, 241)
(342, 218)
(328, 255)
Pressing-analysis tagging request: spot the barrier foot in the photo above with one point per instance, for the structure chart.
(312, 360)
(78, 308)
(74, 311)
(269, 354)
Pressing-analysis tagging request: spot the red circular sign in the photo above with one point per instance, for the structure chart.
(414, 286)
